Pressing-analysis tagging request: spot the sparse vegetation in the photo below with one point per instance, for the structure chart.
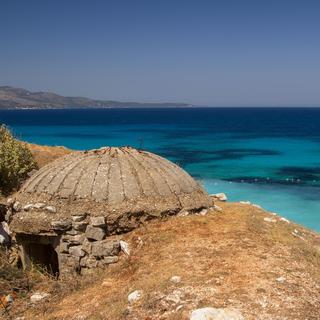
(16, 161)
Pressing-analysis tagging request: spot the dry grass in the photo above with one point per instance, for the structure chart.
(45, 154)
(229, 259)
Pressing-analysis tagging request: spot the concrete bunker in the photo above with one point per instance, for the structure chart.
(70, 215)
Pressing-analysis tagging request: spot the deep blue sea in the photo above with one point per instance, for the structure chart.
(269, 156)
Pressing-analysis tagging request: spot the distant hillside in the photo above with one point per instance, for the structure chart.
(16, 98)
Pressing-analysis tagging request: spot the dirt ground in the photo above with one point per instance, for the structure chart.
(265, 268)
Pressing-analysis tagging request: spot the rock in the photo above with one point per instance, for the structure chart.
(110, 260)
(183, 213)
(135, 296)
(95, 233)
(28, 207)
(80, 226)
(61, 225)
(74, 240)
(17, 206)
(39, 296)
(89, 262)
(39, 205)
(267, 219)
(87, 246)
(9, 299)
(64, 247)
(5, 227)
(281, 279)
(203, 212)
(174, 297)
(220, 196)
(245, 202)
(124, 246)
(296, 234)
(105, 248)
(51, 209)
(175, 279)
(98, 221)
(10, 201)
(73, 232)
(216, 314)
(76, 251)
(256, 206)
(79, 217)
(217, 208)
(4, 233)
(284, 220)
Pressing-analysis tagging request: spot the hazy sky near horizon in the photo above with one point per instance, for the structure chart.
(219, 53)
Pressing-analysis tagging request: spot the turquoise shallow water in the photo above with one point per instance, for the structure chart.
(267, 156)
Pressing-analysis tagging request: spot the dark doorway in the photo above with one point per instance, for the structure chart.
(44, 257)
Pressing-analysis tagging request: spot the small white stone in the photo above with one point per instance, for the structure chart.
(281, 279)
(17, 206)
(267, 219)
(28, 207)
(51, 209)
(217, 208)
(134, 296)
(284, 220)
(175, 279)
(203, 212)
(39, 205)
(38, 296)
(256, 206)
(125, 247)
(245, 202)
(183, 213)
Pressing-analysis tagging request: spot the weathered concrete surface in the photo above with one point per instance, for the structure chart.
(121, 186)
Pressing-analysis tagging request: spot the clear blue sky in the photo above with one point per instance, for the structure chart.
(221, 53)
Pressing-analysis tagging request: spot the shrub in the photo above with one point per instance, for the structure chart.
(16, 161)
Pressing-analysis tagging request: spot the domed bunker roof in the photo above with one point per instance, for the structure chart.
(123, 184)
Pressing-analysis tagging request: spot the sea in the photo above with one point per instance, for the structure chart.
(268, 156)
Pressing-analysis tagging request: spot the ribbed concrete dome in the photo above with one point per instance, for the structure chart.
(114, 181)
(111, 175)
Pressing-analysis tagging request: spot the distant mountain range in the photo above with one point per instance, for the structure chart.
(17, 98)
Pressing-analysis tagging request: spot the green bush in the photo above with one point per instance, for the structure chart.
(16, 161)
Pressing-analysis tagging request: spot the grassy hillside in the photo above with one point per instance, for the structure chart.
(265, 268)
(17, 98)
